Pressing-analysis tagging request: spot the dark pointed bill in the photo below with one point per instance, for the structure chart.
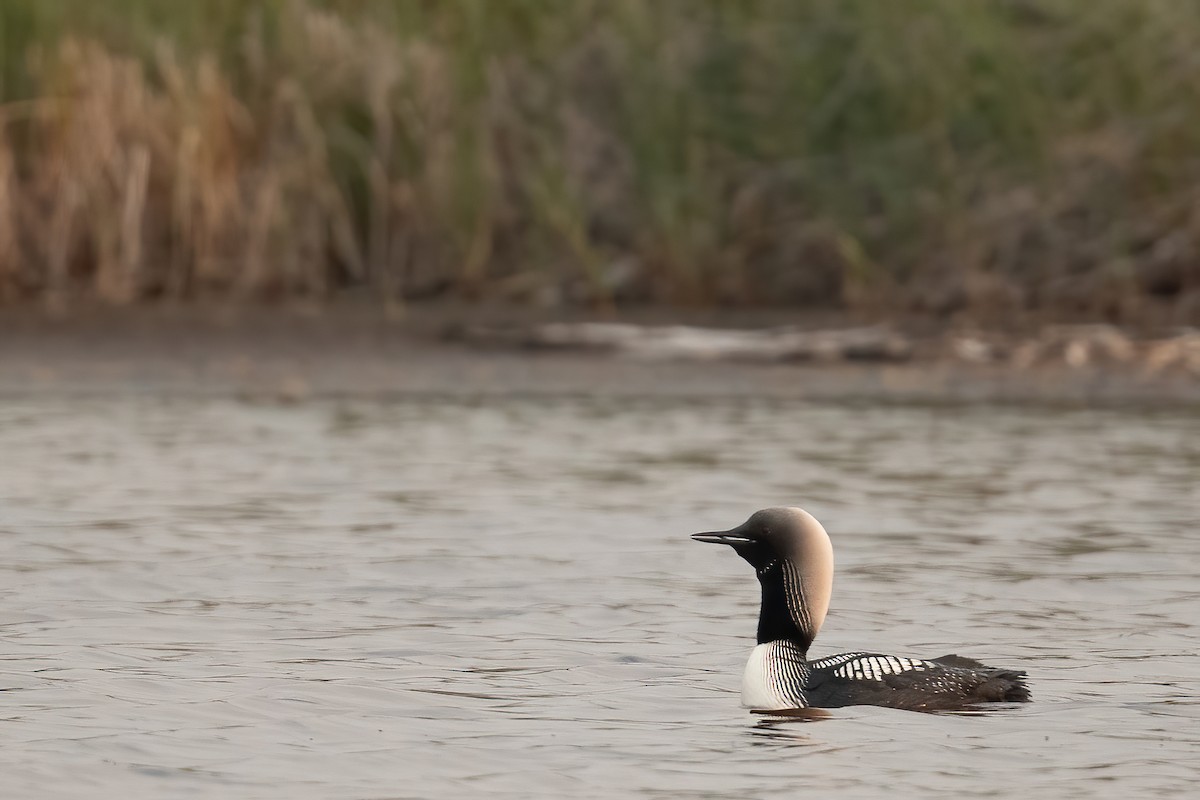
(723, 537)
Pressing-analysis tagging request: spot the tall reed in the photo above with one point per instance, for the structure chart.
(988, 157)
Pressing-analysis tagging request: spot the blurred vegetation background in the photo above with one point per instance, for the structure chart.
(933, 156)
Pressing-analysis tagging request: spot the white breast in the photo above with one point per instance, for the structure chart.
(774, 678)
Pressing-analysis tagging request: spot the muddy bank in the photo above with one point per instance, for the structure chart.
(292, 354)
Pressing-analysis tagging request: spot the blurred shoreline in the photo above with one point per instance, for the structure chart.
(939, 158)
(290, 354)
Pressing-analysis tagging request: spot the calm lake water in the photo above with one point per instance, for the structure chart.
(425, 598)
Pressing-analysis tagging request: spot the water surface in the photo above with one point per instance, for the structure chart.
(422, 598)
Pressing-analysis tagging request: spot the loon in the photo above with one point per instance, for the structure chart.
(793, 557)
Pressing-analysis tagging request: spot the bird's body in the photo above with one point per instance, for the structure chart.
(793, 558)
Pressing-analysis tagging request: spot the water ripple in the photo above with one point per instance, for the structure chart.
(419, 598)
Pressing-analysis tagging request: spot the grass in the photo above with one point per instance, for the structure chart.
(981, 158)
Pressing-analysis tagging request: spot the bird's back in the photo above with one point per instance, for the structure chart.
(947, 683)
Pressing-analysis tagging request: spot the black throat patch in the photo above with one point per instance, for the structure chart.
(777, 616)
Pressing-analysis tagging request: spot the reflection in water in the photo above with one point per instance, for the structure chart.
(771, 735)
(775, 728)
(792, 715)
(420, 598)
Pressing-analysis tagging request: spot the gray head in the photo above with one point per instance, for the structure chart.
(793, 558)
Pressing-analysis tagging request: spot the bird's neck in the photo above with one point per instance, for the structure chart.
(782, 617)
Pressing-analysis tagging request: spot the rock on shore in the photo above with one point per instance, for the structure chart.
(1069, 346)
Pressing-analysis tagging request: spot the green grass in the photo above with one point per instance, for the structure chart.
(994, 157)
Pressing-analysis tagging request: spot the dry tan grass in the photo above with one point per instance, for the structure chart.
(132, 187)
